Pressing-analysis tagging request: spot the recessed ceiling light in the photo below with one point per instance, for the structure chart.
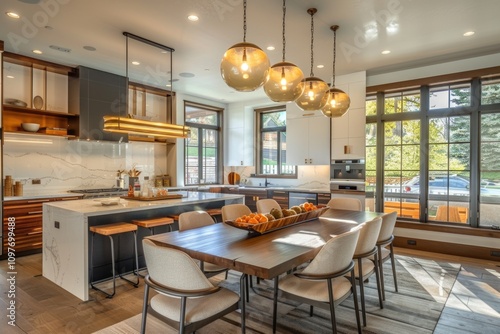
(38, 52)
(386, 52)
(186, 75)
(320, 66)
(49, 27)
(13, 15)
(136, 63)
(193, 18)
(270, 48)
(469, 33)
(10, 76)
(89, 48)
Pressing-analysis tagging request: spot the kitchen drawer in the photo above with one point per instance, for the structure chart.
(281, 197)
(22, 209)
(324, 198)
(28, 215)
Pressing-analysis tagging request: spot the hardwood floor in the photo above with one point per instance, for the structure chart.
(42, 307)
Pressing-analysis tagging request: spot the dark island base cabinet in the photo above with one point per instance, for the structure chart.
(23, 219)
(124, 243)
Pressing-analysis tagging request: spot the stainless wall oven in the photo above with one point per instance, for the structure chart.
(347, 179)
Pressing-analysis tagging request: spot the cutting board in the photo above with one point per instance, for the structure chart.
(233, 178)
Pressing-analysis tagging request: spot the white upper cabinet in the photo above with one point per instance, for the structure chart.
(239, 137)
(307, 137)
(348, 131)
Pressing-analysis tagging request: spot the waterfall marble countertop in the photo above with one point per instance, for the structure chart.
(95, 206)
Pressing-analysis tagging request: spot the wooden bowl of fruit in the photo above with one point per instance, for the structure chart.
(277, 219)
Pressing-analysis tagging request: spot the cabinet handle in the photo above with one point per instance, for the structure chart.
(70, 198)
(310, 161)
(241, 162)
(34, 212)
(39, 201)
(37, 232)
(305, 160)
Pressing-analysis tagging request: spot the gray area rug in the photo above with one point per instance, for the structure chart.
(424, 286)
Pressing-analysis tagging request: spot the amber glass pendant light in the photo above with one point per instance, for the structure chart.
(244, 66)
(314, 96)
(284, 77)
(338, 101)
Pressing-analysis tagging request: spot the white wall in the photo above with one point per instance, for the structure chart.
(434, 70)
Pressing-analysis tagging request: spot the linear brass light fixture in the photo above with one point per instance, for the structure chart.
(142, 127)
(128, 125)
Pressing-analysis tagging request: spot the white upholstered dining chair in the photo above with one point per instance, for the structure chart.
(323, 283)
(187, 300)
(233, 211)
(385, 238)
(364, 267)
(195, 219)
(345, 203)
(265, 205)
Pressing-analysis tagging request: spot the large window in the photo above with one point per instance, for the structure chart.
(202, 148)
(437, 152)
(272, 143)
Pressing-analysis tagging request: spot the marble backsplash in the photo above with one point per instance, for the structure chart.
(62, 164)
(308, 177)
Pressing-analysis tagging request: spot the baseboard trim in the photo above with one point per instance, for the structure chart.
(477, 252)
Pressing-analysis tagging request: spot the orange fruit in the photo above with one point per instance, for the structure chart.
(253, 221)
(262, 219)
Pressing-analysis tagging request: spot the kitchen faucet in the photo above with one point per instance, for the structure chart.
(266, 183)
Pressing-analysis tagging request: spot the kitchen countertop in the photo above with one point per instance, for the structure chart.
(93, 207)
(39, 196)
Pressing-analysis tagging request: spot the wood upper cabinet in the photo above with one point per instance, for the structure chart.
(35, 91)
(308, 137)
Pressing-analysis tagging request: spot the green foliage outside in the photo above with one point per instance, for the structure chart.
(449, 138)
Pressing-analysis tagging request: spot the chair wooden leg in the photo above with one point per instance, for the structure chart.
(243, 283)
(381, 267)
(362, 291)
(393, 268)
(275, 302)
(377, 276)
(182, 319)
(332, 305)
(355, 298)
(145, 309)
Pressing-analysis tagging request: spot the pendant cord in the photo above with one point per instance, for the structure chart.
(312, 43)
(334, 28)
(284, 42)
(334, 56)
(244, 21)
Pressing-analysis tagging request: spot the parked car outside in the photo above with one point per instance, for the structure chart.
(452, 185)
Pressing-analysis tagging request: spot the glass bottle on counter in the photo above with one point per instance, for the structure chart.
(137, 189)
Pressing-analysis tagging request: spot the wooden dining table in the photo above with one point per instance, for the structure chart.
(265, 255)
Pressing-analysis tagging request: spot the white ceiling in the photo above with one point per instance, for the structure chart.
(427, 32)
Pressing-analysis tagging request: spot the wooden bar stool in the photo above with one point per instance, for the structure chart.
(150, 224)
(214, 213)
(110, 230)
(154, 222)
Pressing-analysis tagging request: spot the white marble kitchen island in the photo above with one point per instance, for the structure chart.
(66, 234)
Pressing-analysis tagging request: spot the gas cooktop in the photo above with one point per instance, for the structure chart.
(100, 192)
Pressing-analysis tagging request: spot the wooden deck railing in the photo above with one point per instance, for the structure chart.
(457, 214)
